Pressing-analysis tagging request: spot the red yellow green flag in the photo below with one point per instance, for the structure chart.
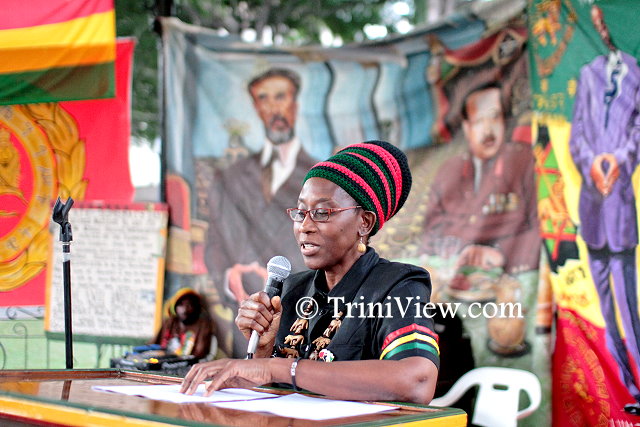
(56, 50)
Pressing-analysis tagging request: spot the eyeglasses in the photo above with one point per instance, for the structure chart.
(317, 215)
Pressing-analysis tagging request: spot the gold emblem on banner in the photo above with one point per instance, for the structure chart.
(550, 31)
(41, 157)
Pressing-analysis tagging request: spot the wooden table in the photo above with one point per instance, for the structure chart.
(65, 397)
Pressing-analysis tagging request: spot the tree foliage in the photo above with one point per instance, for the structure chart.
(293, 21)
(136, 19)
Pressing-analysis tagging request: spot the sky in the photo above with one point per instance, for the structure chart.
(144, 165)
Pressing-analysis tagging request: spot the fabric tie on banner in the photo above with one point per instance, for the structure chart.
(612, 89)
(267, 177)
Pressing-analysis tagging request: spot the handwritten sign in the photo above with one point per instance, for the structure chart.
(117, 271)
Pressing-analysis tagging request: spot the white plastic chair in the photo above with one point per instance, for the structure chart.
(498, 396)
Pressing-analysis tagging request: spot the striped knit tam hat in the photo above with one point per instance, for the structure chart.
(375, 173)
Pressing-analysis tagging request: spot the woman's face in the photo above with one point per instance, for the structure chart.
(332, 245)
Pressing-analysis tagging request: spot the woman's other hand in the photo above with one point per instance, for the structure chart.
(240, 373)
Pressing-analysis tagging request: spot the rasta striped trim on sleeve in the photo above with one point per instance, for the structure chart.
(413, 337)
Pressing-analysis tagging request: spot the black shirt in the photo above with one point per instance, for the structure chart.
(384, 313)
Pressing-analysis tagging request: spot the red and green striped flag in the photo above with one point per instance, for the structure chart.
(56, 50)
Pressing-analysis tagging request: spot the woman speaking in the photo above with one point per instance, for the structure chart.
(354, 326)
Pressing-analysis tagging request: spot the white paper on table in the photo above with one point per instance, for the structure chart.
(171, 393)
(308, 408)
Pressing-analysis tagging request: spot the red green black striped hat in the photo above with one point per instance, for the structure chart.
(375, 173)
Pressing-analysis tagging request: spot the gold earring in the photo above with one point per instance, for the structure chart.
(362, 248)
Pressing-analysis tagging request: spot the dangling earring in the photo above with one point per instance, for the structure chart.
(362, 248)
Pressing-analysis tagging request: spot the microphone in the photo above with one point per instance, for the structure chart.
(278, 268)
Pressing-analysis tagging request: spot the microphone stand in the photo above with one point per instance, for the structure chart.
(60, 215)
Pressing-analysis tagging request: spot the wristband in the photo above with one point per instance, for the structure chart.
(294, 365)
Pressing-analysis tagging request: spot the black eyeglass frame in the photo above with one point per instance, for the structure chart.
(292, 212)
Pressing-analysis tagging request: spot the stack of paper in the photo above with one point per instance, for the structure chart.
(290, 405)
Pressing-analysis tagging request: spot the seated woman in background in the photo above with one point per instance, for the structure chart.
(188, 329)
(328, 314)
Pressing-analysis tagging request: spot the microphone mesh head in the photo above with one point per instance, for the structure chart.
(279, 267)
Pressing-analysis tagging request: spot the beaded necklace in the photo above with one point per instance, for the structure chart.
(295, 340)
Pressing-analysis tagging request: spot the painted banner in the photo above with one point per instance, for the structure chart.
(56, 50)
(586, 91)
(244, 124)
(77, 149)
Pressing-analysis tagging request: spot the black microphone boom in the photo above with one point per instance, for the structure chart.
(278, 269)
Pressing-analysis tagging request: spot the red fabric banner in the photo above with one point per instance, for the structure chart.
(586, 389)
(90, 143)
(105, 124)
